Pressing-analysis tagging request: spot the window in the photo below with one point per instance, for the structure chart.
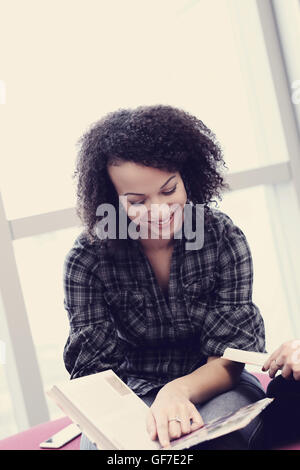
(8, 424)
(118, 54)
(248, 209)
(40, 265)
(84, 59)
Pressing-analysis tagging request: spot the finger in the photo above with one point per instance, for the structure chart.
(296, 373)
(162, 428)
(295, 357)
(273, 369)
(271, 358)
(186, 423)
(286, 371)
(295, 344)
(151, 425)
(280, 360)
(197, 421)
(182, 427)
(294, 362)
(174, 429)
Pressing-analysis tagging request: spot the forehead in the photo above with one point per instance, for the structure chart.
(131, 177)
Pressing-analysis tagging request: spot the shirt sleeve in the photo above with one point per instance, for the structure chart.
(93, 344)
(233, 320)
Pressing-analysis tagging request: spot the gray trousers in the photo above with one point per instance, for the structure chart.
(247, 391)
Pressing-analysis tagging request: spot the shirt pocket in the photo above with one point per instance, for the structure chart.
(128, 310)
(197, 296)
(199, 288)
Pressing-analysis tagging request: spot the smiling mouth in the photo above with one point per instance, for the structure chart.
(164, 222)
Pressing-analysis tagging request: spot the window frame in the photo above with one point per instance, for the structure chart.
(282, 183)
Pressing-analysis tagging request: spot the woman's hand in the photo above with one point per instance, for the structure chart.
(172, 401)
(287, 358)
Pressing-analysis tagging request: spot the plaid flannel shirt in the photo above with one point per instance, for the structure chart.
(120, 319)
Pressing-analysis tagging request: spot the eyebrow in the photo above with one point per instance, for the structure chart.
(141, 194)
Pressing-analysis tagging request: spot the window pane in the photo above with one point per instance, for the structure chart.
(248, 210)
(83, 59)
(40, 265)
(8, 425)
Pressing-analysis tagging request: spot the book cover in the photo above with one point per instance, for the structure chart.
(247, 357)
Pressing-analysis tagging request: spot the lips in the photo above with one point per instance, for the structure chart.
(164, 221)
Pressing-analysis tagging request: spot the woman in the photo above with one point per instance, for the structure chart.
(160, 310)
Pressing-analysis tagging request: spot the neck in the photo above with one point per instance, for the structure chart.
(156, 245)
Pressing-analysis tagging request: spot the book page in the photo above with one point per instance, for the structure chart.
(127, 428)
(112, 407)
(223, 425)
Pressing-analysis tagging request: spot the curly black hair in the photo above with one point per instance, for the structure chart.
(159, 136)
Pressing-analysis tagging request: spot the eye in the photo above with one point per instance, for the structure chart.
(171, 191)
(166, 193)
(136, 203)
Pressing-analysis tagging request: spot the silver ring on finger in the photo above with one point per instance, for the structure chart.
(176, 418)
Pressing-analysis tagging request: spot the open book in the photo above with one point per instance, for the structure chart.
(113, 417)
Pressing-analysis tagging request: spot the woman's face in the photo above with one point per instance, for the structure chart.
(155, 198)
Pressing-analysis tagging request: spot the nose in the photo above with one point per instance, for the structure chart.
(159, 212)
